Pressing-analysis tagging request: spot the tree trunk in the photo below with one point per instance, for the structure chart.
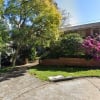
(15, 57)
(26, 60)
(0, 60)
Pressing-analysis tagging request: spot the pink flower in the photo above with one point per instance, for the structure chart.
(92, 47)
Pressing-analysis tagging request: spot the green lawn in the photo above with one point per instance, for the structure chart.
(7, 69)
(42, 72)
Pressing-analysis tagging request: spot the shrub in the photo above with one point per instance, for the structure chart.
(54, 51)
(92, 47)
(33, 54)
(71, 44)
(5, 59)
(27, 52)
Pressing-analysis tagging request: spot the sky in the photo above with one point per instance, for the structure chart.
(81, 11)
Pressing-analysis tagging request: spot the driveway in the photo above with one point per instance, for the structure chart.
(27, 87)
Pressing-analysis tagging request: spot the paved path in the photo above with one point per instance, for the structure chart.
(14, 88)
(27, 87)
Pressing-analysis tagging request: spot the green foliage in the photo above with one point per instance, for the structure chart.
(1, 42)
(7, 69)
(27, 52)
(4, 36)
(53, 51)
(43, 17)
(32, 21)
(71, 44)
(1, 6)
(3, 27)
(33, 54)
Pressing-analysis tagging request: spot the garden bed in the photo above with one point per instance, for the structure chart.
(71, 62)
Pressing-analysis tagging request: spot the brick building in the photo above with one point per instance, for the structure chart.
(84, 30)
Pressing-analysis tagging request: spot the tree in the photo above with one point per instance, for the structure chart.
(3, 28)
(65, 20)
(1, 5)
(31, 21)
(0, 25)
(1, 38)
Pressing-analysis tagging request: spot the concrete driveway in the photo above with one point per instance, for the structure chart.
(27, 87)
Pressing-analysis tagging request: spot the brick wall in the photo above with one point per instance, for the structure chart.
(70, 62)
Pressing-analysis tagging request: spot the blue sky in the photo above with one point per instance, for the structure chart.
(82, 11)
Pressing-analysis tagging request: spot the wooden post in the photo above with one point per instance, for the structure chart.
(26, 60)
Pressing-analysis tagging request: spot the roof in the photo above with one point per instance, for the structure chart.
(80, 27)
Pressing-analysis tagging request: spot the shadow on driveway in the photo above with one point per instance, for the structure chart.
(17, 71)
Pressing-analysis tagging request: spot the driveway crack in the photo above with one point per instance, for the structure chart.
(30, 90)
(93, 85)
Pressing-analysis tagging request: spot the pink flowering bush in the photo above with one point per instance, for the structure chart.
(92, 47)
